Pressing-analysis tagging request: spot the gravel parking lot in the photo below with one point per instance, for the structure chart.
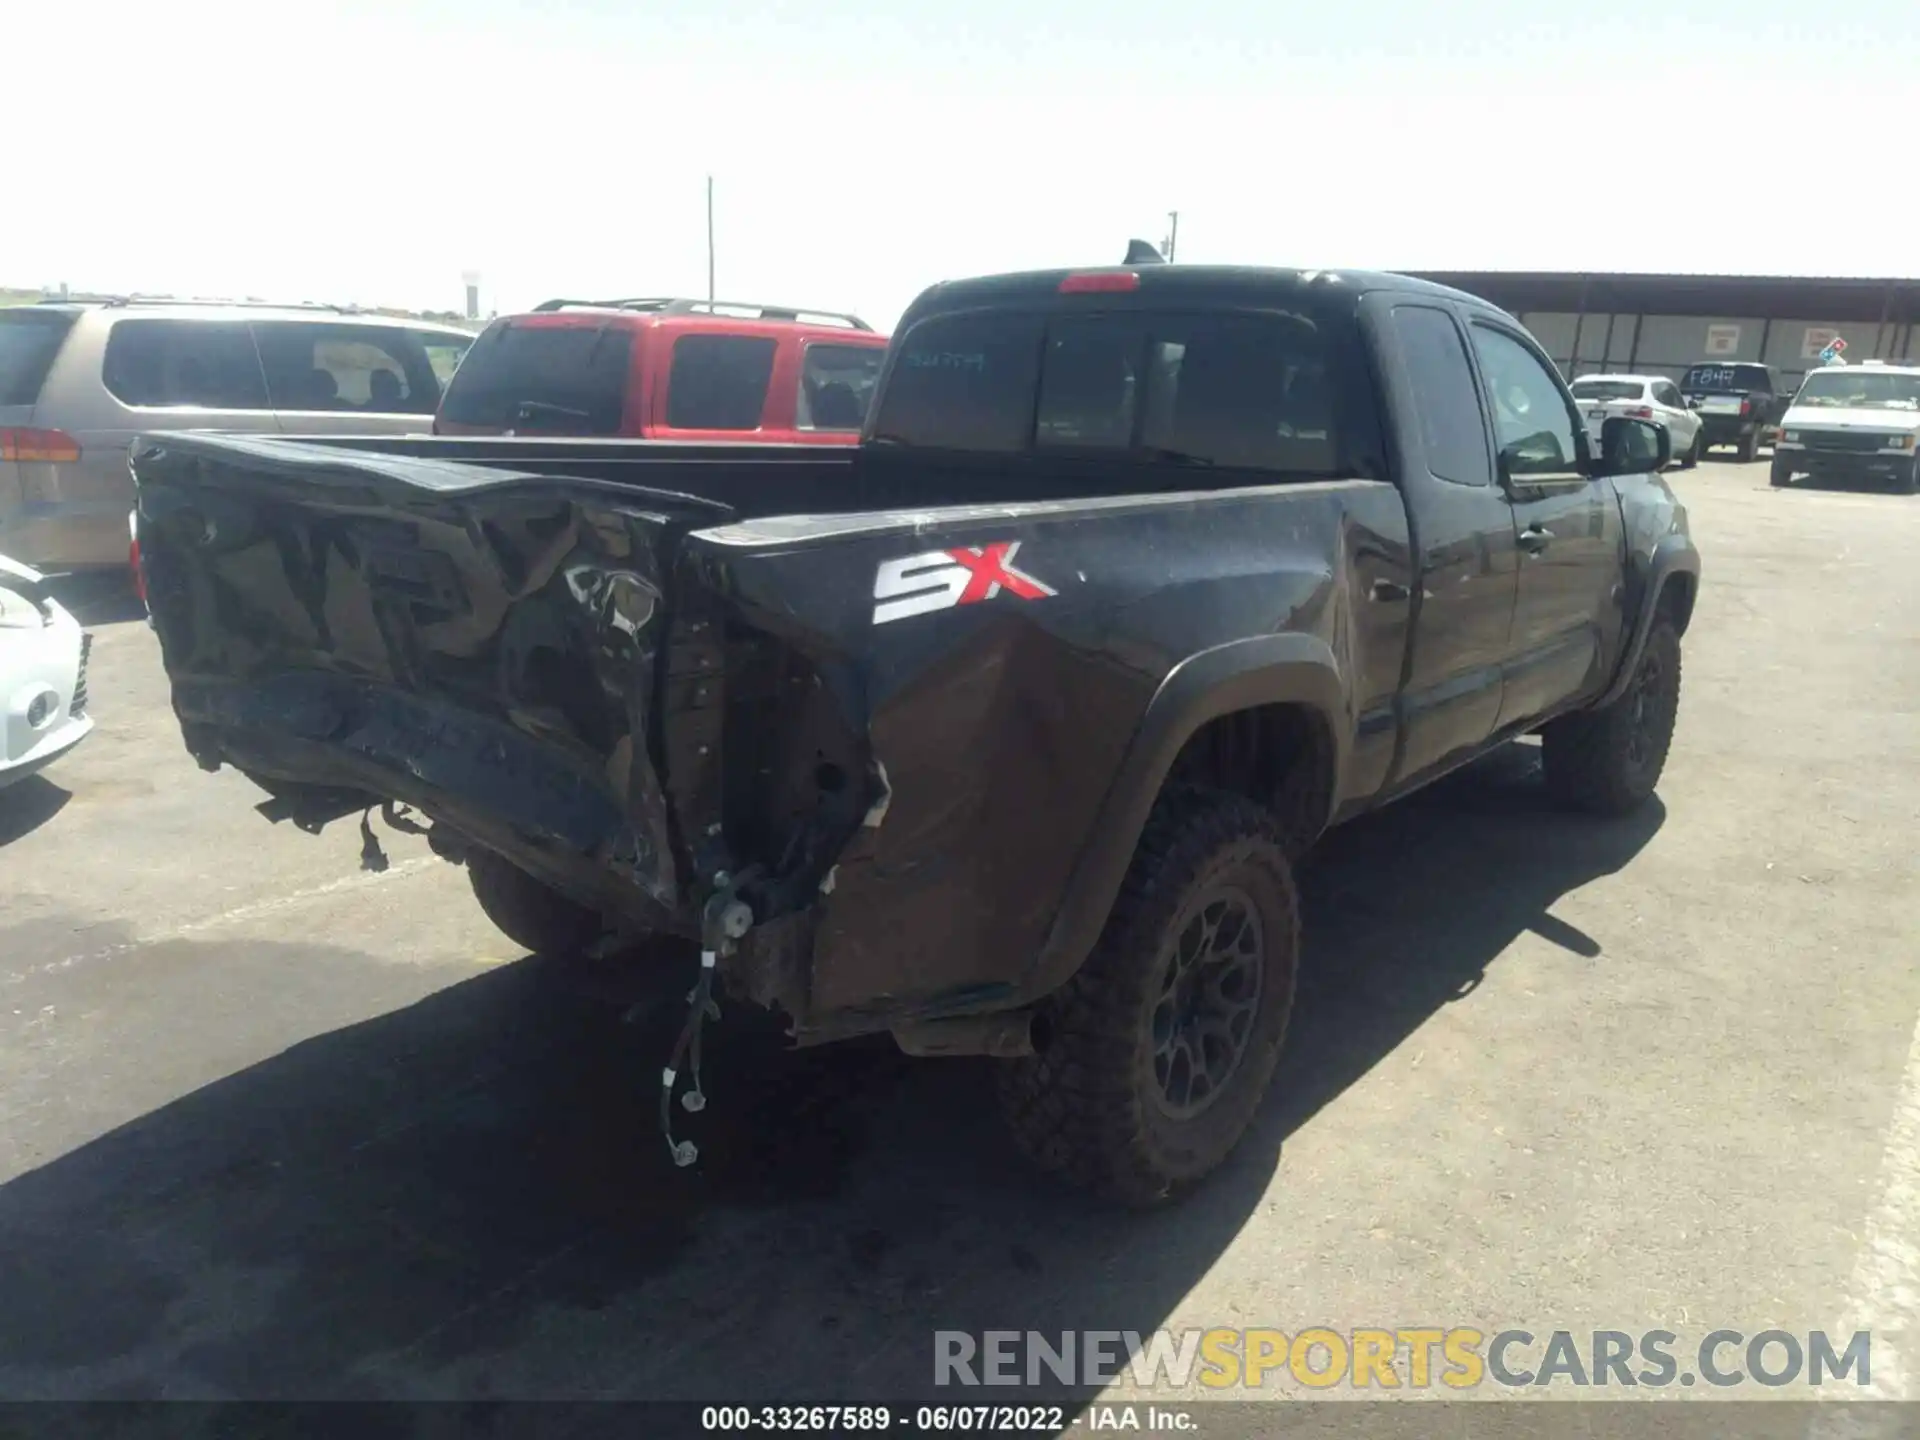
(274, 1126)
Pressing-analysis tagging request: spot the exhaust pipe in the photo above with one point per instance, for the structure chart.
(1008, 1035)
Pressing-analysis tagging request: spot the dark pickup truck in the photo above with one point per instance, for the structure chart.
(1001, 731)
(1739, 404)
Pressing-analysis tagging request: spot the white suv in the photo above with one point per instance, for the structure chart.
(1642, 397)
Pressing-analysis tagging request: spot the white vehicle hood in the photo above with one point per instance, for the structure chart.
(42, 679)
(23, 577)
(1843, 417)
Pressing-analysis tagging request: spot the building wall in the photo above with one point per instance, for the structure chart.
(1668, 344)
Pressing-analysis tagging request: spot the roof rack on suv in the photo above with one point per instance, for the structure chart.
(739, 309)
(116, 302)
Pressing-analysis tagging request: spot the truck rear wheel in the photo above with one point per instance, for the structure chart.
(1608, 761)
(1695, 450)
(1160, 1048)
(1750, 446)
(527, 911)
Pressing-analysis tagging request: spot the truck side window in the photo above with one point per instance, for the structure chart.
(1242, 390)
(1530, 418)
(1451, 427)
(1248, 391)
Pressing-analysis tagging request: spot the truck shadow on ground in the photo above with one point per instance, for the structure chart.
(1406, 908)
(469, 1196)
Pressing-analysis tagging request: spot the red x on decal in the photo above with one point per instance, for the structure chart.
(992, 571)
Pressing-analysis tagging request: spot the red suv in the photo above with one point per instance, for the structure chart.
(688, 370)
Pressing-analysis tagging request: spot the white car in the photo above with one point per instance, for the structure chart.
(1642, 397)
(43, 675)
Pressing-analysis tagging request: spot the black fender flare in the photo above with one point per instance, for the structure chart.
(1294, 669)
(1673, 555)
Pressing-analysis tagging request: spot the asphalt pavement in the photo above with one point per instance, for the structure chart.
(275, 1126)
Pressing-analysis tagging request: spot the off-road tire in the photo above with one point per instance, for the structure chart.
(1782, 475)
(1694, 451)
(527, 911)
(1591, 759)
(1750, 446)
(1088, 1107)
(1909, 484)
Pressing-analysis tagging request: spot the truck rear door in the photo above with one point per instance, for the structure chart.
(1464, 527)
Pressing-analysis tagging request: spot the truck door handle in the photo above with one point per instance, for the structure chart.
(1535, 538)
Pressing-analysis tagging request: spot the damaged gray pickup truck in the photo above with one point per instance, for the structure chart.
(1000, 732)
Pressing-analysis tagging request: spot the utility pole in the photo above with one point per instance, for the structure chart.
(709, 239)
(1173, 232)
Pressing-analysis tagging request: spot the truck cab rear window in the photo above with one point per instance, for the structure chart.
(965, 382)
(532, 377)
(1245, 391)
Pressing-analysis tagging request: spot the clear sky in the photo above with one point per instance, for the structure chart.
(370, 152)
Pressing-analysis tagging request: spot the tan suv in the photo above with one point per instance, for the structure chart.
(79, 381)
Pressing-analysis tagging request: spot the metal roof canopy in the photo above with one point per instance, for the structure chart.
(1774, 297)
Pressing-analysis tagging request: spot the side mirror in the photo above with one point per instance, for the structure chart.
(1633, 447)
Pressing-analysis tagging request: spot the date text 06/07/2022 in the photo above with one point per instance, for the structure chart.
(923, 1419)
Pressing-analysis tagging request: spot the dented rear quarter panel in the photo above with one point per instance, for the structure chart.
(1001, 726)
